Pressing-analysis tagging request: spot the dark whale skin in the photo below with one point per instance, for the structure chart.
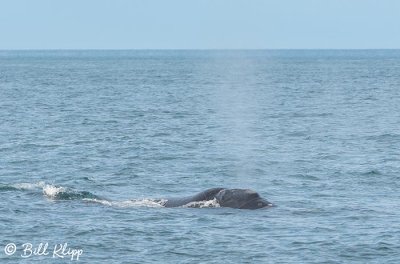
(233, 198)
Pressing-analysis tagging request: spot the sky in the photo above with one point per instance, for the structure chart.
(199, 24)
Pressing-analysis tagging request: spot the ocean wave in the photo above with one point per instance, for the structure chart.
(49, 190)
(63, 193)
(385, 137)
(157, 203)
(372, 172)
(23, 186)
(55, 192)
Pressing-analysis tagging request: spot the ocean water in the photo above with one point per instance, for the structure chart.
(89, 138)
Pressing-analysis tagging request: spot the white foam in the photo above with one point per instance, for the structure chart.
(141, 203)
(51, 191)
(203, 204)
(103, 202)
(130, 203)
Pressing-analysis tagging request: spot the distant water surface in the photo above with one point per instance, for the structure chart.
(88, 138)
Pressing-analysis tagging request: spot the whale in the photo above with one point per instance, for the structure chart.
(216, 197)
(233, 198)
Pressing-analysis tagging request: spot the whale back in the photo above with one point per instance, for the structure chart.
(206, 195)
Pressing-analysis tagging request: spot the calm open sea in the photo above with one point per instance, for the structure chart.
(316, 132)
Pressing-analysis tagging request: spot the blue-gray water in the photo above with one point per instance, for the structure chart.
(315, 132)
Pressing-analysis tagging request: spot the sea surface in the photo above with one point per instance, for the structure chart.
(89, 138)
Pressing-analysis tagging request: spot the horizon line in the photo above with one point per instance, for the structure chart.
(186, 49)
